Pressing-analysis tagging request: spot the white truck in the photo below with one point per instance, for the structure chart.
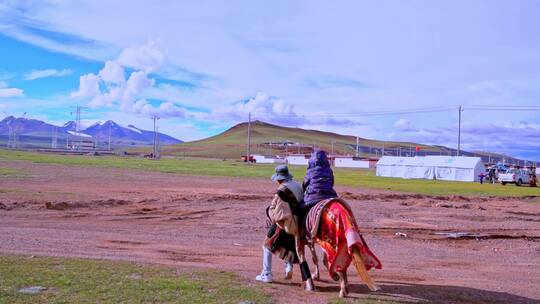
(515, 176)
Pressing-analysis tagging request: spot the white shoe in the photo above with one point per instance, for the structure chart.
(264, 277)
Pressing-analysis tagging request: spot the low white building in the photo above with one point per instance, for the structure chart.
(298, 159)
(351, 162)
(264, 159)
(450, 168)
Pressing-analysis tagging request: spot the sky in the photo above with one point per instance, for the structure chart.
(203, 66)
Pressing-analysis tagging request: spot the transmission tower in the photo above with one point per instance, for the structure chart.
(77, 112)
(54, 143)
(12, 132)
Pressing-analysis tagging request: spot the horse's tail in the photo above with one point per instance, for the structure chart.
(362, 271)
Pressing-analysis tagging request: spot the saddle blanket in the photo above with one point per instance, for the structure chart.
(331, 224)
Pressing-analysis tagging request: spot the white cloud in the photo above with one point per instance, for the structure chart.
(137, 82)
(275, 110)
(148, 57)
(88, 86)
(262, 106)
(164, 110)
(108, 98)
(36, 74)
(403, 125)
(112, 72)
(11, 92)
(109, 88)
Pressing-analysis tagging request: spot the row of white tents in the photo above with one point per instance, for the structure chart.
(302, 160)
(448, 168)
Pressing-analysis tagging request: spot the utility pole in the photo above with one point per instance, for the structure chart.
(333, 142)
(248, 152)
(110, 125)
(155, 139)
(357, 142)
(382, 154)
(460, 109)
(158, 144)
(54, 142)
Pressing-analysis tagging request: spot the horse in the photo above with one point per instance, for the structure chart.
(331, 225)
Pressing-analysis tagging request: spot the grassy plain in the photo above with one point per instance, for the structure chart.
(227, 168)
(96, 281)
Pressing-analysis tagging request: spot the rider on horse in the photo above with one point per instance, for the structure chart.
(319, 181)
(289, 207)
(320, 218)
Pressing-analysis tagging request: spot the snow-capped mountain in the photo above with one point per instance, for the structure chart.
(101, 130)
(120, 135)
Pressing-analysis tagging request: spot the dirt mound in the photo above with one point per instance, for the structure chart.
(414, 196)
(229, 197)
(90, 204)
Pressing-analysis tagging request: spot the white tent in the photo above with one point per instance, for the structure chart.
(459, 168)
(350, 162)
(264, 159)
(298, 159)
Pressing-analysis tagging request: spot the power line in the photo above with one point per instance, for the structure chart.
(419, 110)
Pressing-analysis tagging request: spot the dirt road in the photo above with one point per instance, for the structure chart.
(449, 249)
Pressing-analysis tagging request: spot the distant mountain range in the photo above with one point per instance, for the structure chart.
(33, 132)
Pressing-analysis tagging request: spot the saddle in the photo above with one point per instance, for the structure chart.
(312, 219)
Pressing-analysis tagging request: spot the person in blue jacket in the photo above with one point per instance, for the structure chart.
(319, 180)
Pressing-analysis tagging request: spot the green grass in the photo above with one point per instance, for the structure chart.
(96, 281)
(8, 172)
(212, 167)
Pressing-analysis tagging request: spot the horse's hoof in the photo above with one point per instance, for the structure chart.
(309, 285)
(375, 288)
(343, 294)
(316, 277)
(288, 275)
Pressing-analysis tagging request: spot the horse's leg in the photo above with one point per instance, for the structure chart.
(361, 269)
(304, 268)
(325, 260)
(315, 276)
(343, 283)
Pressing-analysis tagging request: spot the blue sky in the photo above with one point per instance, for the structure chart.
(204, 66)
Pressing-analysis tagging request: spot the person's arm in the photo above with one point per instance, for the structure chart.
(305, 184)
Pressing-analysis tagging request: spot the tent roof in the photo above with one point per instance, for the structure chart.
(437, 161)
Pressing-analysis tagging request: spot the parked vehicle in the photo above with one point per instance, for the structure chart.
(515, 176)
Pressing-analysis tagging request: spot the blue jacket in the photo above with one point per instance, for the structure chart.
(319, 181)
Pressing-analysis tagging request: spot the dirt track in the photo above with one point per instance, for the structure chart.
(194, 222)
